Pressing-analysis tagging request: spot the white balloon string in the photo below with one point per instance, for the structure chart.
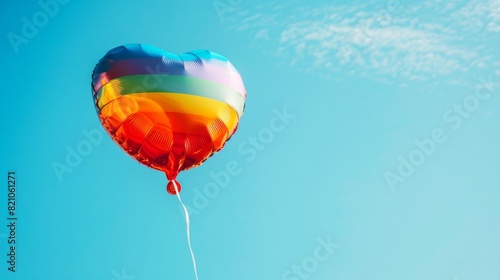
(187, 228)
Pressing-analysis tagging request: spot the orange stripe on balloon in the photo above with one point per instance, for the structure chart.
(162, 106)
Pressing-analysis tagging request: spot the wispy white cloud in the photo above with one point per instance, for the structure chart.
(391, 50)
(441, 39)
(477, 15)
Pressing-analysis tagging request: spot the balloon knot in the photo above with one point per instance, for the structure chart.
(171, 187)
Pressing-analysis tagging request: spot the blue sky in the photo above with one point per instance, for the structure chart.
(368, 148)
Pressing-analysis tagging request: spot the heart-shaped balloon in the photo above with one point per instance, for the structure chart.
(169, 112)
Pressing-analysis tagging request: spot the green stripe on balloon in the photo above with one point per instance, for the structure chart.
(178, 84)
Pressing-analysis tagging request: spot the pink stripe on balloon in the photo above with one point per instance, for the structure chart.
(206, 71)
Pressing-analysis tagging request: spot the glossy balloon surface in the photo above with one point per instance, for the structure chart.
(169, 112)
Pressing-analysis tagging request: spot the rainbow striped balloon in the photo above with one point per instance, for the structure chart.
(170, 112)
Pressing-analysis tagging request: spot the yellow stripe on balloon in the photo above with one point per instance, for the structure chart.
(159, 104)
(170, 84)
